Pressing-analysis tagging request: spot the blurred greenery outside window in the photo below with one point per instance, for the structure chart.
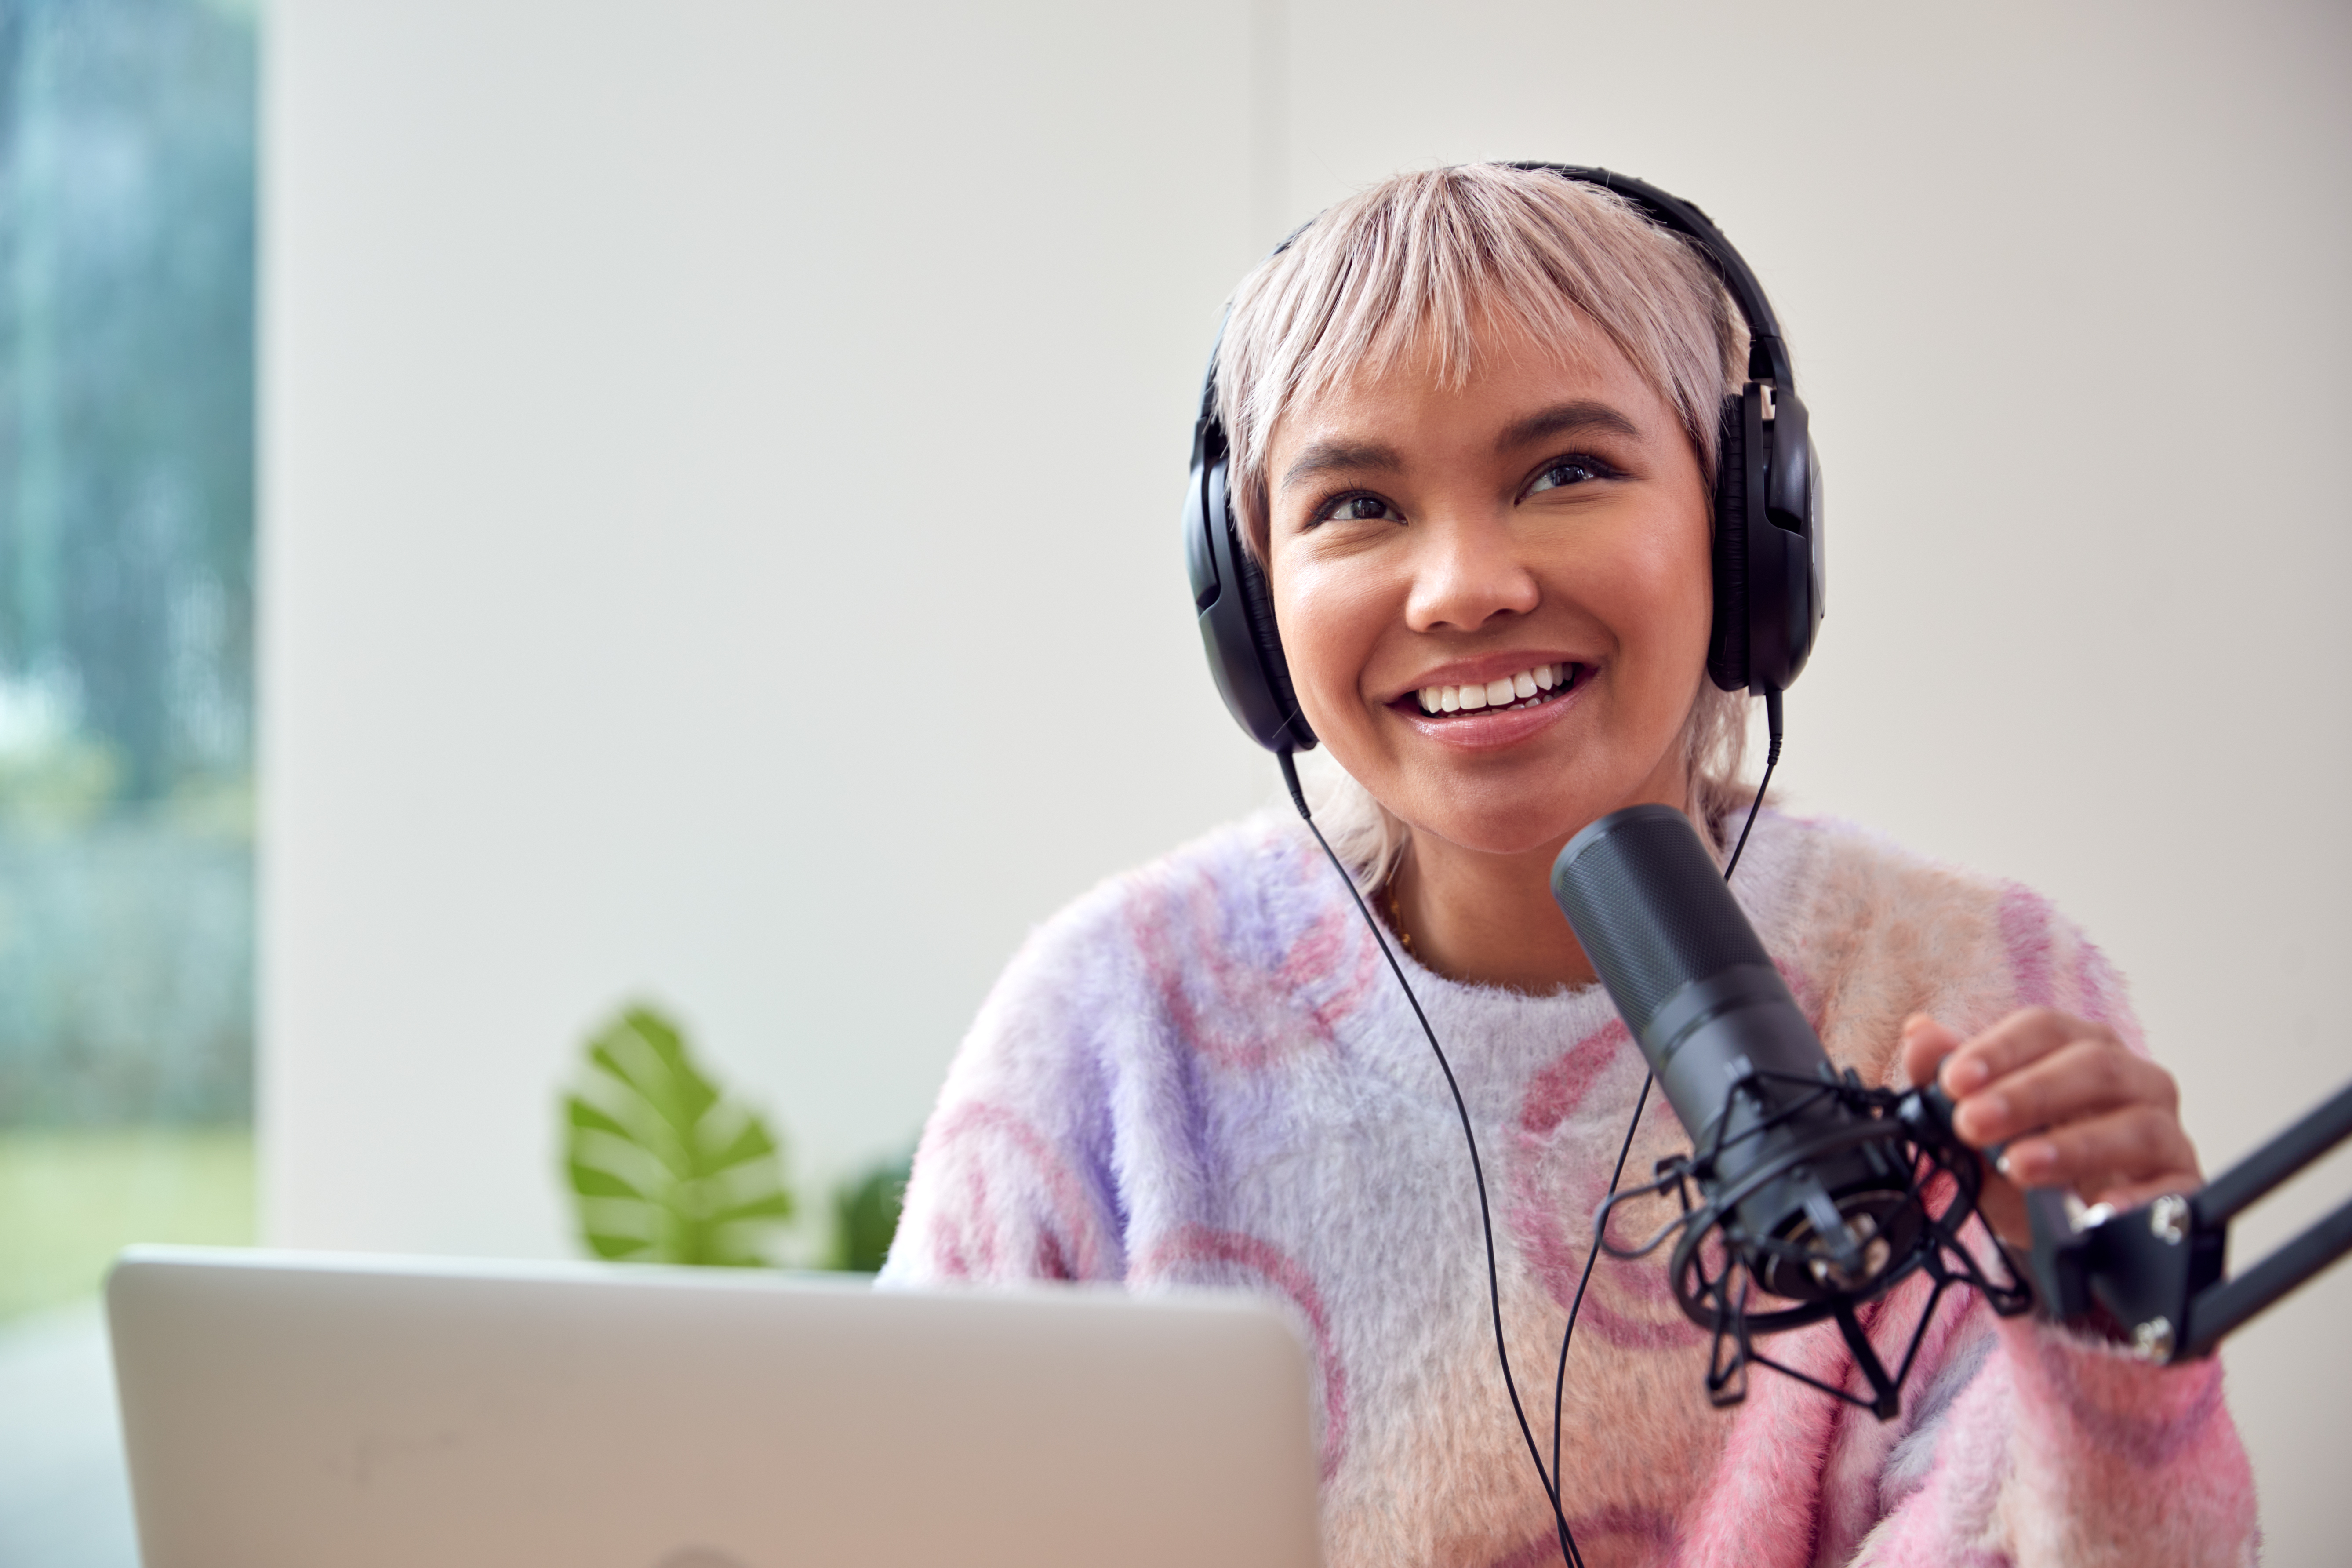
(127, 180)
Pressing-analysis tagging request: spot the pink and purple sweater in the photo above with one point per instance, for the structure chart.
(1202, 1075)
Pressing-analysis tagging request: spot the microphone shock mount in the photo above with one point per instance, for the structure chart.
(1901, 1191)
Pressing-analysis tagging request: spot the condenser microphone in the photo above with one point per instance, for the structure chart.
(1733, 1052)
(1813, 1187)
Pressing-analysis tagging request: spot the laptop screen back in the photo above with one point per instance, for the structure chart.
(287, 1410)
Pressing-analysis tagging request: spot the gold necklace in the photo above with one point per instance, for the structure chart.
(1396, 918)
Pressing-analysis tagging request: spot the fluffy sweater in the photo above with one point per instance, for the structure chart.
(1202, 1075)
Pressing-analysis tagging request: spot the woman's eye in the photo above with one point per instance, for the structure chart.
(1566, 471)
(1356, 509)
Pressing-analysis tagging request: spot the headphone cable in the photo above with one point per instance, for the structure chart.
(1477, 1169)
(1569, 1554)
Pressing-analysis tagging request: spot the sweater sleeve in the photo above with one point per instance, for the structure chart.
(1012, 1179)
(2063, 1450)
(2029, 1442)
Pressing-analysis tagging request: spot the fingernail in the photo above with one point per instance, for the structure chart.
(1966, 1075)
(2026, 1163)
(1988, 1114)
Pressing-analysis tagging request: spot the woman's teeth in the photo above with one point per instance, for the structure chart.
(1524, 690)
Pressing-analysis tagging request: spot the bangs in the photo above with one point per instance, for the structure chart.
(1430, 265)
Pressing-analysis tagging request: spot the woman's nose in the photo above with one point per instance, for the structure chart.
(1465, 573)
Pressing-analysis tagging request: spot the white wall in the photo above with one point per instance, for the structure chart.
(721, 471)
(719, 548)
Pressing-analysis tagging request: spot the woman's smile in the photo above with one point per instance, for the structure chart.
(1460, 706)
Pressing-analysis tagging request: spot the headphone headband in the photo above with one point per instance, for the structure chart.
(1767, 354)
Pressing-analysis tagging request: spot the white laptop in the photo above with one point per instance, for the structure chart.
(300, 1410)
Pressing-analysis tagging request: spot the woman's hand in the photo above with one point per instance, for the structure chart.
(2072, 1104)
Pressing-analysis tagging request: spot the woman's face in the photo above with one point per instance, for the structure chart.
(1545, 526)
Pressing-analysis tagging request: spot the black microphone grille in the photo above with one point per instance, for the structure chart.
(1650, 908)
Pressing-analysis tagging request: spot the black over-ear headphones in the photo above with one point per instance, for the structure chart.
(1767, 517)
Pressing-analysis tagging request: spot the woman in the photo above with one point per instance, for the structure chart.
(1474, 417)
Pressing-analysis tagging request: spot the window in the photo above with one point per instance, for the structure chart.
(126, 633)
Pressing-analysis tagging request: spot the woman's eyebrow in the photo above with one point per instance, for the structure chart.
(1321, 457)
(1564, 417)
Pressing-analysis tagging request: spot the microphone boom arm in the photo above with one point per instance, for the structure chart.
(2158, 1269)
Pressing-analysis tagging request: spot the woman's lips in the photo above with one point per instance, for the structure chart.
(1483, 729)
(1533, 684)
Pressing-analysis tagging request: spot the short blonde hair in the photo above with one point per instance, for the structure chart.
(1427, 262)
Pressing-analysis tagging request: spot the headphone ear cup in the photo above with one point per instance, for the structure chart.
(1257, 603)
(1726, 651)
(1235, 609)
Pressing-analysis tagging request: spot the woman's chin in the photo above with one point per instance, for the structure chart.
(1508, 832)
(1515, 800)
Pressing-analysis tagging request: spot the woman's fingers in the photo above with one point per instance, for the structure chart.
(2081, 1078)
(2064, 1103)
(1926, 1043)
(2094, 1155)
(2022, 1037)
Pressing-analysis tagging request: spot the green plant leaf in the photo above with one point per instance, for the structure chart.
(580, 1113)
(590, 1183)
(865, 1216)
(663, 1166)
